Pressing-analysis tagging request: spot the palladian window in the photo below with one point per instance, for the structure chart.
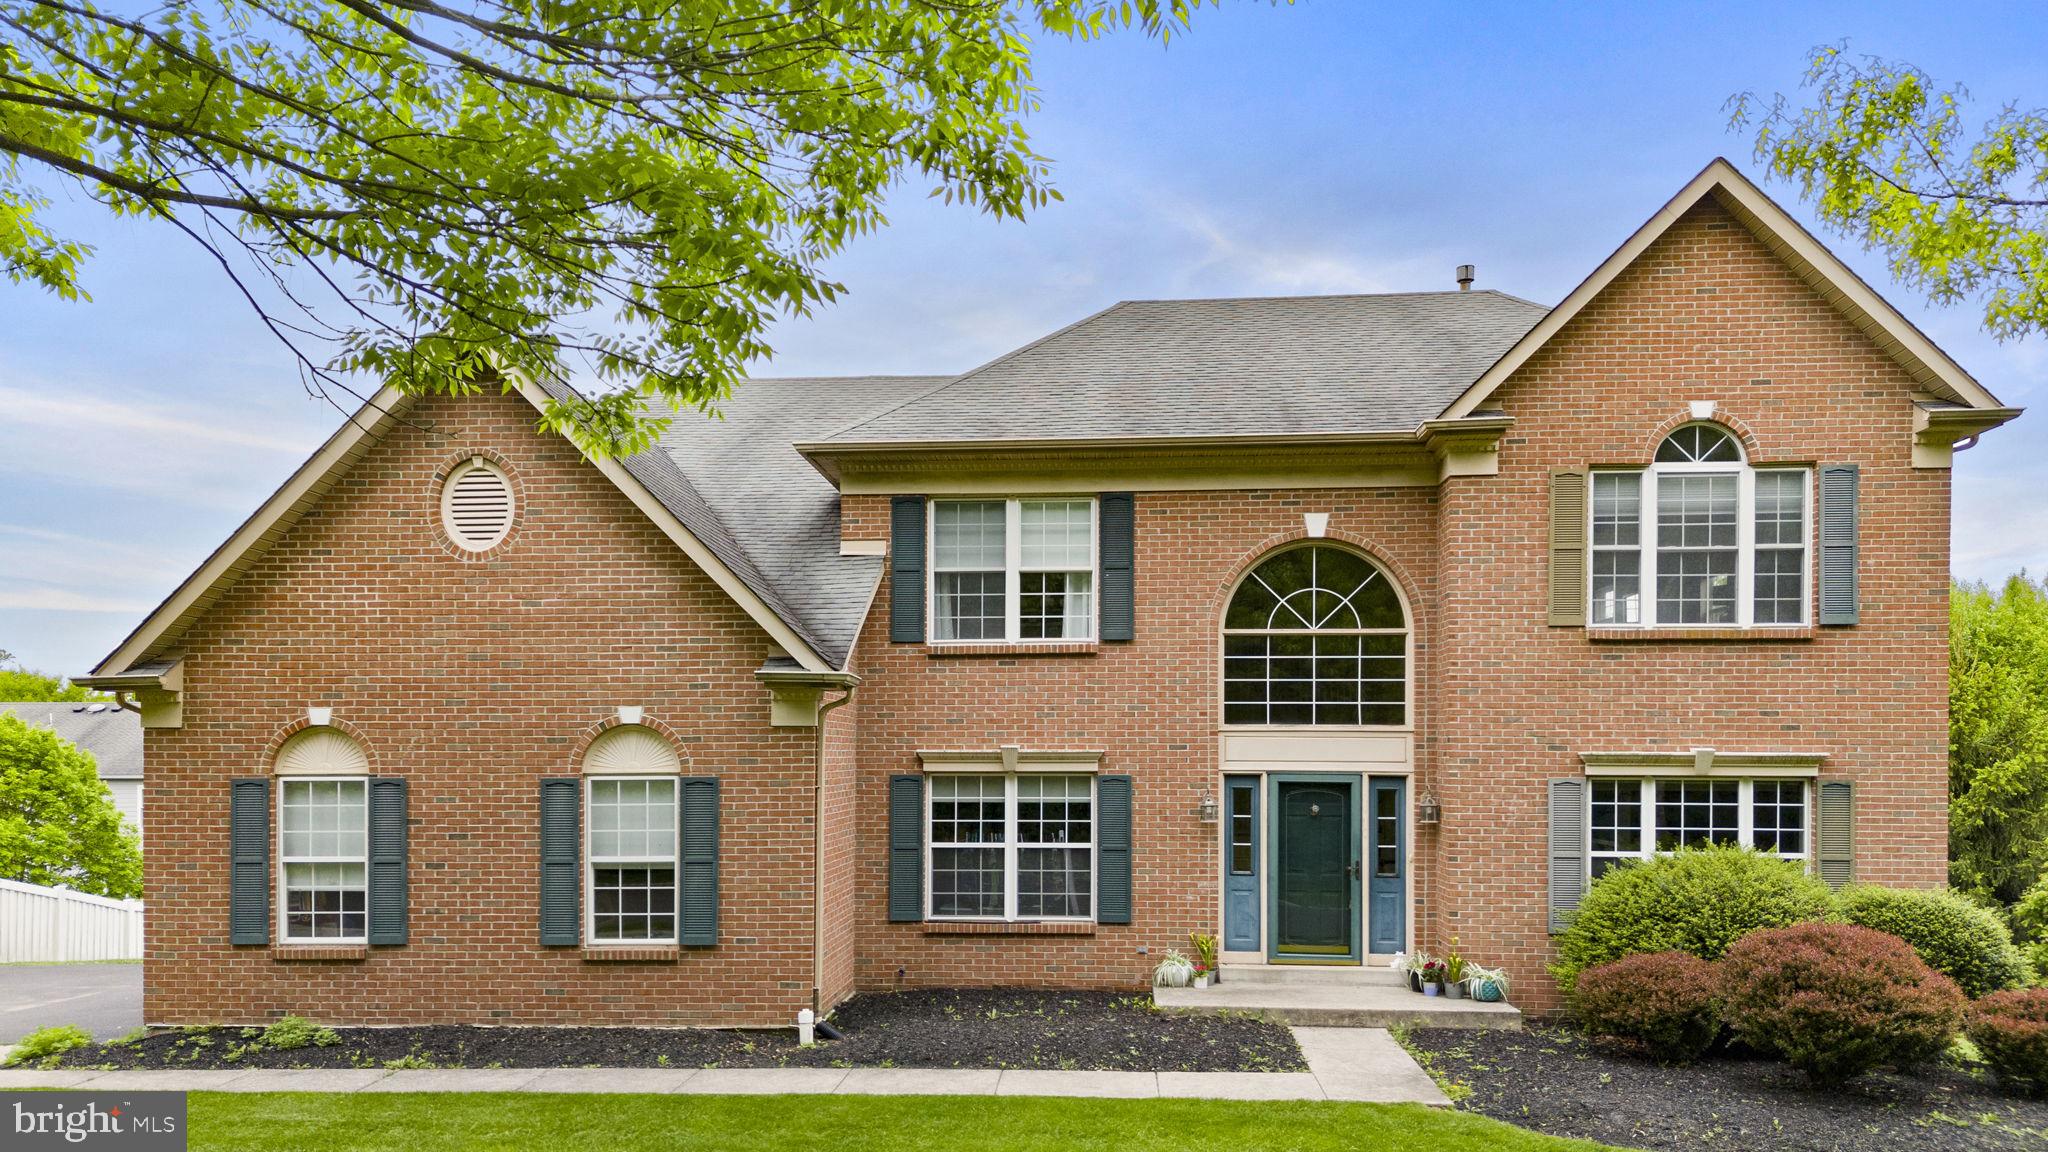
(1316, 634)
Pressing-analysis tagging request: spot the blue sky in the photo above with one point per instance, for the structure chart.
(1323, 147)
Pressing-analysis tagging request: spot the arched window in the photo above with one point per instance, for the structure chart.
(1722, 543)
(1316, 634)
(323, 840)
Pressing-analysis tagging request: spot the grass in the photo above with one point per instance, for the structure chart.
(431, 1122)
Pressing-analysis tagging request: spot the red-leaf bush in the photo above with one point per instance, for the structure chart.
(1836, 1000)
(1668, 1002)
(2011, 1030)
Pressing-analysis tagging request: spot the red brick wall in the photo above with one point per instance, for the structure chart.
(1706, 314)
(475, 679)
(1151, 707)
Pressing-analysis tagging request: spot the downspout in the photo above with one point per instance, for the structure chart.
(818, 863)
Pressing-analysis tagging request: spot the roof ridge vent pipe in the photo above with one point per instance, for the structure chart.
(1466, 275)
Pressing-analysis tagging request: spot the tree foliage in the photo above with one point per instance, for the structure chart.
(1886, 154)
(58, 824)
(438, 195)
(1998, 737)
(19, 684)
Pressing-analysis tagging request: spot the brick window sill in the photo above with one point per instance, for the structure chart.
(630, 955)
(1008, 928)
(1051, 648)
(1661, 635)
(294, 952)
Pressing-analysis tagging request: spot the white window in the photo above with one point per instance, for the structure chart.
(1315, 634)
(1699, 538)
(323, 860)
(632, 860)
(1011, 847)
(1633, 819)
(1007, 570)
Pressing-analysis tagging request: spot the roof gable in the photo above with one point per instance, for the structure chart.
(1785, 237)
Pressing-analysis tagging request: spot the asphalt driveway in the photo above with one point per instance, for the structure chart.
(104, 999)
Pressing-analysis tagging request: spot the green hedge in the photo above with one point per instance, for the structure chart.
(1953, 934)
(1697, 901)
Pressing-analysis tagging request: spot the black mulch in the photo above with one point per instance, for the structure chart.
(954, 1028)
(1555, 1080)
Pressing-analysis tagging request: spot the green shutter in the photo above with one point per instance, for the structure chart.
(1116, 544)
(1838, 530)
(906, 848)
(1567, 850)
(387, 860)
(561, 861)
(1113, 850)
(1568, 549)
(697, 879)
(249, 861)
(1836, 846)
(906, 569)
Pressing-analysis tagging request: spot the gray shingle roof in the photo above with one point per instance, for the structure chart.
(769, 502)
(112, 734)
(1245, 367)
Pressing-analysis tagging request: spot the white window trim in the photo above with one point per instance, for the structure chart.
(591, 861)
(284, 935)
(1744, 804)
(1745, 542)
(1013, 569)
(1010, 848)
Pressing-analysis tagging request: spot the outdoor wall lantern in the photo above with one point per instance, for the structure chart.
(1206, 810)
(1427, 810)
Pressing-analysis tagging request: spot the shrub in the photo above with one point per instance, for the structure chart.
(289, 1032)
(1955, 936)
(1836, 1000)
(2030, 914)
(44, 1045)
(1697, 901)
(1668, 1002)
(2010, 1029)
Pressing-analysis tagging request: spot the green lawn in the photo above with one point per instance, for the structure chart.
(428, 1122)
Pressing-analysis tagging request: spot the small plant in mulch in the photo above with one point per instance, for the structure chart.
(291, 1032)
(1837, 1000)
(44, 1045)
(2010, 1031)
(1667, 1003)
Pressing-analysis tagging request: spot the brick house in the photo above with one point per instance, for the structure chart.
(1335, 626)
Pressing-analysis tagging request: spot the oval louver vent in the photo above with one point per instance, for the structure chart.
(476, 505)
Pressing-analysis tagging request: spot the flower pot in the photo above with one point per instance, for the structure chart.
(1455, 989)
(1487, 991)
(1202, 981)
(1414, 981)
(1432, 989)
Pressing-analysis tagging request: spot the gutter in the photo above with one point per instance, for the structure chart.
(818, 859)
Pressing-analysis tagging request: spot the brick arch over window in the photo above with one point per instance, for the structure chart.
(1317, 632)
(1745, 437)
(284, 734)
(591, 734)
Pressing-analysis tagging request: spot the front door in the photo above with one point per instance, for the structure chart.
(1387, 887)
(1316, 881)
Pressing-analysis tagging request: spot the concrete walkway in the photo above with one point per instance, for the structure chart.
(1344, 1064)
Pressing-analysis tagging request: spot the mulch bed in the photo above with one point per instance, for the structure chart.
(1557, 1081)
(953, 1028)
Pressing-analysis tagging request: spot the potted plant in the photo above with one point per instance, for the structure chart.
(1411, 964)
(1487, 984)
(1433, 977)
(1454, 972)
(1205, 958)
(1176, 971)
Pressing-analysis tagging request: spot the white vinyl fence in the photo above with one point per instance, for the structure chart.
(51, 925)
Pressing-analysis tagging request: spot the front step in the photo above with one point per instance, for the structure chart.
(1332, 997)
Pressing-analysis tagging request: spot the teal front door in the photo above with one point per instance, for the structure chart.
(1316, 867)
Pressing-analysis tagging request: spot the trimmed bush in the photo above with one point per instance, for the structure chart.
(290, 1032)
(1697, 901)
(1956, 936)
(2011, 1030)
(1668, 1002)
(1836, 1000)
(44, 1045)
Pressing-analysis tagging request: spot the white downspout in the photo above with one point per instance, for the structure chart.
(818, 862)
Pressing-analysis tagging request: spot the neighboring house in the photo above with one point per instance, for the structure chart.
(1334, 625)
(111, 734)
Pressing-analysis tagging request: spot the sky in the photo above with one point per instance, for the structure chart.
(1326, 146)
